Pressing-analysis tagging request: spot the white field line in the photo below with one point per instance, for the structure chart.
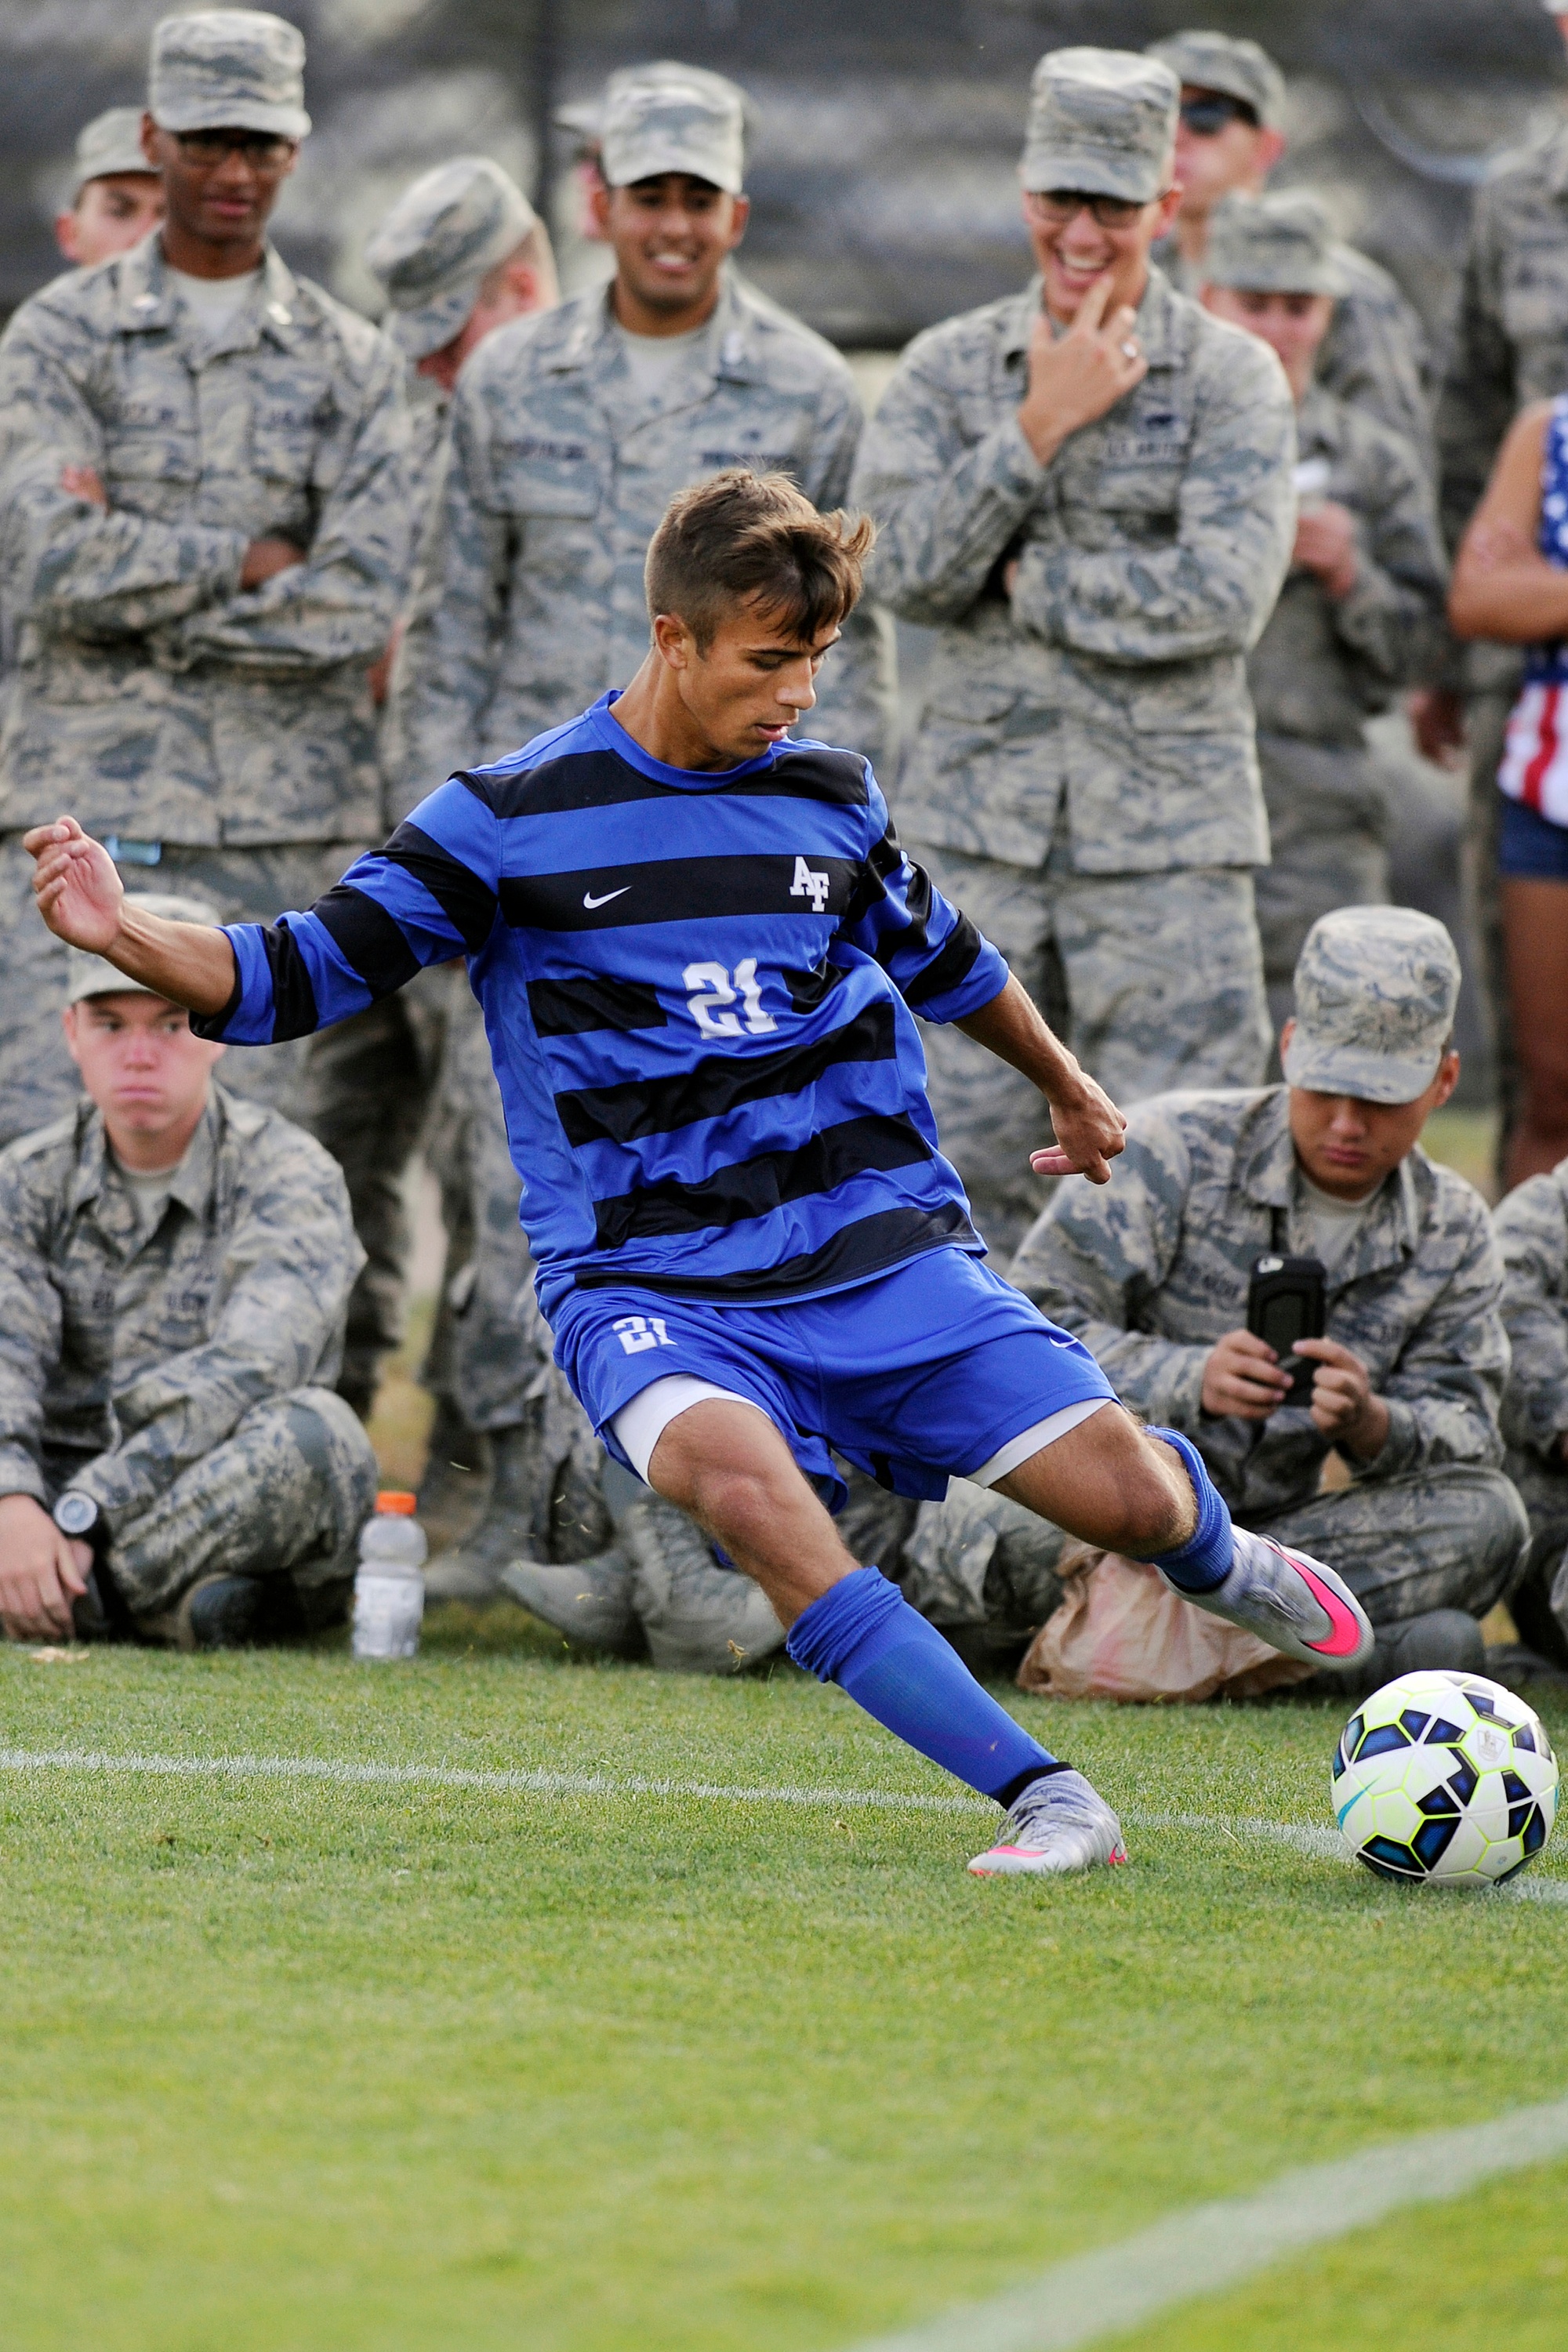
(1207, 2248)
(1189, 2255)
(1318, 1844)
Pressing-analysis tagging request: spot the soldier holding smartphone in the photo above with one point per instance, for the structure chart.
(1154, 1272)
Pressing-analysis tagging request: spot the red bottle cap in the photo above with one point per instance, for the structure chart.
(397, 1506)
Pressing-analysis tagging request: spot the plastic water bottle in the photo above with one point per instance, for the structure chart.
(389, 1587)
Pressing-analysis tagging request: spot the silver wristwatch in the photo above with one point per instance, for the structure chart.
(76, 1514)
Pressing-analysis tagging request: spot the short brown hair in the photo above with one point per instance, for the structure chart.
(740, 535)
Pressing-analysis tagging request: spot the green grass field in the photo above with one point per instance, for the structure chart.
(294, 2065)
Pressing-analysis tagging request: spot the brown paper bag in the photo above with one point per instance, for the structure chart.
(1120, 1632)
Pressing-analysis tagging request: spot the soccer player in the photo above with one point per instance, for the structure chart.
(697, 946)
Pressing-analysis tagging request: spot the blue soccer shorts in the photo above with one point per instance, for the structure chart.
(937, 1369)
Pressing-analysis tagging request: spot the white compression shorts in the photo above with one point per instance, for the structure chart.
(638, 1426)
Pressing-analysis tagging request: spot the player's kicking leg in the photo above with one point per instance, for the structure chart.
(1292, 1602)
(728, 1465)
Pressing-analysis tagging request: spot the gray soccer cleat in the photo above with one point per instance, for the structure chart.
(1291, 1602)
(1059, 1824)
(590, 1602)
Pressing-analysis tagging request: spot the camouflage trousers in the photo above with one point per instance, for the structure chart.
(1451, 1537)
(1328, 827)
(498, 1355)
(1540, 1593)
(371, 1089)
(286, 1495)
(1154, 979)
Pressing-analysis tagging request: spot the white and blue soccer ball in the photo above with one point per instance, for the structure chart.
(1445, 1777)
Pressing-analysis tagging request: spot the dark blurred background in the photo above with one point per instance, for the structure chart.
(887, 130)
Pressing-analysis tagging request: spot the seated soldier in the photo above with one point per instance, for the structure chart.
(1533, 1234)
(174, 1272)
(1151, 1274)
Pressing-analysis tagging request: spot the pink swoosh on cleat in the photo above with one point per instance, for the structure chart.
(1345, 1639)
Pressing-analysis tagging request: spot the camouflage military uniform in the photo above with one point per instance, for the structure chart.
(1151, 1270)
(182, 1376)
(1376, 356)
(225, 737)
(529, 602)
(1084, 782)
(1321, 665)
(1508, 346)
(1532, 1235)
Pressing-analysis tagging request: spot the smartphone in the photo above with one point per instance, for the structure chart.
(1284, 1304)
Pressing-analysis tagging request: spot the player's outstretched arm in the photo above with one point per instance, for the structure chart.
(1089, 1129)
(83, 899)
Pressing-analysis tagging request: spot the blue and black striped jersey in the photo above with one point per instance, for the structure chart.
(696, 990)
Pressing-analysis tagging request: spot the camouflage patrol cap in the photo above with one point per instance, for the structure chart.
(1220, 61)
(228, 69)
(1375, 992)
(434, 249)
(1103, 121)
(672, 118)
(91, 975)
(110, 144)
(1273, 245)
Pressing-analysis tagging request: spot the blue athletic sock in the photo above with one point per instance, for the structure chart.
(863, 1636)
(1203, 1561)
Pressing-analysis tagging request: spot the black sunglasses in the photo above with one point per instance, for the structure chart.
(1206, 115)
(1058, 206)
(208, 149)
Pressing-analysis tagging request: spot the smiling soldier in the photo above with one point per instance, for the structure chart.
(1087, 489)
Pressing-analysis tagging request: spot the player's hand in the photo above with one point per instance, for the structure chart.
(266, 558)
(78, 892)
(1243, 1380)
(1437, 721)
(1075, 377)
(85, 482)
(1343, 1406)
(1090, 1131)
(1326, 545)
(41, 1572)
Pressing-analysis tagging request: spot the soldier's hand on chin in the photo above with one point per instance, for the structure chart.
(41, 1572)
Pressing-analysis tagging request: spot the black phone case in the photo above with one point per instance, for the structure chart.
(1302, 1280)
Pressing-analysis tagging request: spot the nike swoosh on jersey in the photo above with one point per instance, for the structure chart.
(591, 902)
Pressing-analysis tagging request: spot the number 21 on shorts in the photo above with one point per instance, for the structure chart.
(638, 1333)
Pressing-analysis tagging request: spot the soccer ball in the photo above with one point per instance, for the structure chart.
(1445, 1777)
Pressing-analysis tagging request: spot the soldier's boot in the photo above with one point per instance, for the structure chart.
(590, 1601)
(235, 1612)
(1445, 1639)
(470, 1571)
(700, 1618)
(456, 1484)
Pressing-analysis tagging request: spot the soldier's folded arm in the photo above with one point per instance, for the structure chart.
(1444, 1392)
(946, 509)
(101, 570)
(1211, 588)
(339, 603)
(287, 1268)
